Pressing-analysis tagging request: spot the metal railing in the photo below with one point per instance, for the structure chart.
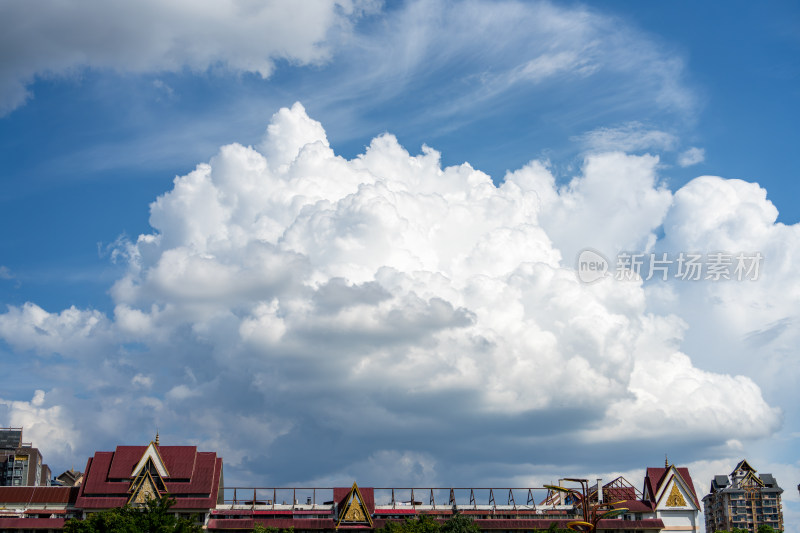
(462, 498)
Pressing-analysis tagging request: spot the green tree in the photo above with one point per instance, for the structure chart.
(421, 524)
(766, 528)
(460, 523)
(258, 528)
(153, 517)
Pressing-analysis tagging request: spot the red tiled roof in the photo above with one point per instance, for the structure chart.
(37, 495)
(199, 473)
(637, 506)
(179, 460)
(231, 523)
(95, 480)
(544, 522)
(368, 493)
(204, 467)
(655, 477)
(95, 502)
(31, 523)
(652, 480)
(527, 523)
(123, 461)
(302, 523)
(280, 523)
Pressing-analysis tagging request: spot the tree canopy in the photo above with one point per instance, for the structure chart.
(420, 524)
(153, 517)
(458, 523)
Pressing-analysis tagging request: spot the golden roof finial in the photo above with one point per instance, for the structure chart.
(156, 437)
(666, 461)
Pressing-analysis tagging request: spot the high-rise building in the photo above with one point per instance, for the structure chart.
(743, 500)
(20, 463)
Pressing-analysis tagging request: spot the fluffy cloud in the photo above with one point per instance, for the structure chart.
(32, 328)
(753, 323)
(291, 301)
(692, 156)
(43, 425)
(60, 38)
(587, 211)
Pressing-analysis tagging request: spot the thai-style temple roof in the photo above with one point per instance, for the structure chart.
(192, 478)
(656, 478)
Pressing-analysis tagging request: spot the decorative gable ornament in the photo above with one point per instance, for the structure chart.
(673, 492)
(144, 488)
(152, 454)
(148, 477)
(675, 498)
(750, 480)
(354, 511)
(742, 468)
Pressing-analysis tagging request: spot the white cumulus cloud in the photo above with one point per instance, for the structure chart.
(692, 156)
(387, 307)
(54, 38)
(44, 424)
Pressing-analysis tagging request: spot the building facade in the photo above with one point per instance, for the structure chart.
(132, 474)
(194, 479)
(743, 500)
(37, 508)
(20, 463)
(671, 491)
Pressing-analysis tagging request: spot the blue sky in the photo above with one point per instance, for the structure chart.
(99, 118)
(115, 140)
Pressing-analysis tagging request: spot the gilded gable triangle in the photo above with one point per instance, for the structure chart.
(147, 482)
(145, 487)
(353, 510)
(675, 498)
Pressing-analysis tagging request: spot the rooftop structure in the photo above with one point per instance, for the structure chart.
(743, 500)
(674, 499)
(133, 474)
(333, 509)
(69, 478)
(37, 508)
